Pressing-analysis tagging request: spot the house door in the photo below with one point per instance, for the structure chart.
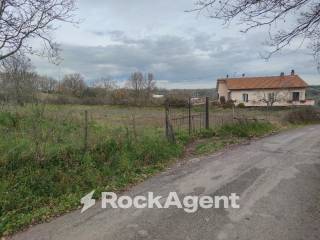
(295, 96)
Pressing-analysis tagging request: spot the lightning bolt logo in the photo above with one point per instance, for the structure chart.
(87, 202)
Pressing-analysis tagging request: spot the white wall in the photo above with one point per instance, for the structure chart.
(223, 90)
(256, 97)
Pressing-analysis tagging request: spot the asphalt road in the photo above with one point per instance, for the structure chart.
(278, 179)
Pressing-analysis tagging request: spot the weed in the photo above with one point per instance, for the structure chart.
(246, 130)
(214, 144)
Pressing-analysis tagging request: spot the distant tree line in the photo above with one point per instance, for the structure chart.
(20, 84)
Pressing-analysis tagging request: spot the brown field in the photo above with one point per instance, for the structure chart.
(153, 117)
(142, 118)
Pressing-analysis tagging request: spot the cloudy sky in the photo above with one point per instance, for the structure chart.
(183, 50)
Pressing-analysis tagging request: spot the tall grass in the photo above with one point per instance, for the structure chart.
(44, 170)
(246, 130)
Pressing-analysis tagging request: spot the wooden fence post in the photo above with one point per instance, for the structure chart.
(207, 112)
(85, 130)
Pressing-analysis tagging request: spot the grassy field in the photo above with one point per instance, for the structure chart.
(45, 168)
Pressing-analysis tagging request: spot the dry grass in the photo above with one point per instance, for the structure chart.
(153, 117)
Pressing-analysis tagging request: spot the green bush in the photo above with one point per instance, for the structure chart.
(241, 105)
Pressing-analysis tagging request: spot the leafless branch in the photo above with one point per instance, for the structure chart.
(254, 14)
(25, 20)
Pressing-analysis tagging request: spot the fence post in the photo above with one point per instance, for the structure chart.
(85, 130)
(233, 113)
(166, 106)
(169, 129)
(207, 112)
(189, 111)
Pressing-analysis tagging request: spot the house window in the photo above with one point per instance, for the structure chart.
(245, 97)
(295, 96)
(271, 97)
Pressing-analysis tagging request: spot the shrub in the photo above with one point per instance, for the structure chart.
(241, 105)
(304, 115)
(228, 104)
(222, 100)
(94, 101)
(176, 101)
(62, 100)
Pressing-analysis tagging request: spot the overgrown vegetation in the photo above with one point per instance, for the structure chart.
(229, 134)
(304, 116)
(45, 168)
(246, 130)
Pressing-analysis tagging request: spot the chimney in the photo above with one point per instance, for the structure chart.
(282, 74)
(292, 72)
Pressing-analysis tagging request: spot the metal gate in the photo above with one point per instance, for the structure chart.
(191, 118)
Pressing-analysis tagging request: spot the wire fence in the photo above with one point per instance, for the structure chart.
(85, 126)
(194, 118)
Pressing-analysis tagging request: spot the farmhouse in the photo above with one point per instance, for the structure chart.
(282, 90)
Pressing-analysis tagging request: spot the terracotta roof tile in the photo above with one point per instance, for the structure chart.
(274, 82)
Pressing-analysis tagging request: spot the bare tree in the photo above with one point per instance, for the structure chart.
(24, 20)
(106, 85)
(150, 85)
(47, 84)
(271, 13)
(270, 98)
(142, 86)
(18, 81)
(73, 84)
(136, 82)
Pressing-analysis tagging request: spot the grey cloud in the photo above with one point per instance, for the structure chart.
(178, 59)
(121, 36)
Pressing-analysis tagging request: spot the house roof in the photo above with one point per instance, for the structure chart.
(273, 82)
